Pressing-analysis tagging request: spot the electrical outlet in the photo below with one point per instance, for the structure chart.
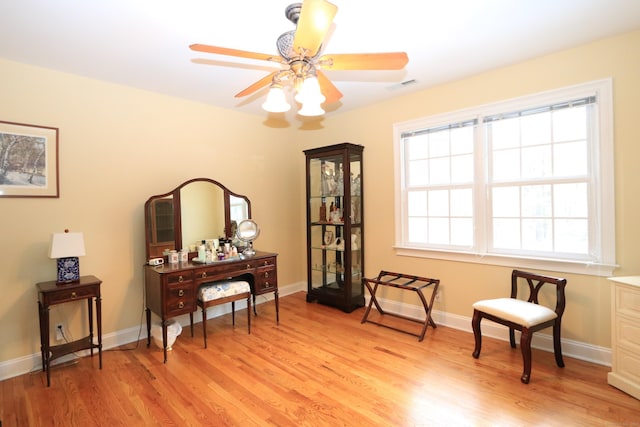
(59, 334)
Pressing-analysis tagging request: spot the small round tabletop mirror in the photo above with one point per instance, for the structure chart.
(247, 232)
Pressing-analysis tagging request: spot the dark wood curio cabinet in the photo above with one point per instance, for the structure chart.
(335, 226)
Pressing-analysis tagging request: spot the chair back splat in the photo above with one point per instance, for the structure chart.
(525, 316)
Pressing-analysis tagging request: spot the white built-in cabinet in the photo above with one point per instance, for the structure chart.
(625, 335)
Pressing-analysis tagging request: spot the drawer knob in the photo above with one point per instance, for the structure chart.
(266, 274)
(180, 279)
(181, 293)
(248, 266)
(204, 274)
(266, 263)
(73, 294)
(181, 304)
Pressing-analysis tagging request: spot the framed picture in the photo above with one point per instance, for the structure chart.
(28, 160)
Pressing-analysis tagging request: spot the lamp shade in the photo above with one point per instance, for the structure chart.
(64, 245)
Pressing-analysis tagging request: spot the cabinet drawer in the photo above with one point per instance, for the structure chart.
(628, 301)
(70, 295)
(266, 279)
(221, 271)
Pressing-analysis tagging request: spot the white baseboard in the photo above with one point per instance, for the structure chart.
(31, 363)
(571, 348)
(599, 355)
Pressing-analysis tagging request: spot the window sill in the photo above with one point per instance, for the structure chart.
(575, 267)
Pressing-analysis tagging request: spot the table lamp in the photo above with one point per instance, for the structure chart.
(66, 248)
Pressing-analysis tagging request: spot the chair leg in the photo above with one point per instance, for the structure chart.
(525, 346)
(512, 337)
(204, 325)
(233, 313)
(557, 347)
(475, 324)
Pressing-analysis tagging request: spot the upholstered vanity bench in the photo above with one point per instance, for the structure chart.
(222, 292)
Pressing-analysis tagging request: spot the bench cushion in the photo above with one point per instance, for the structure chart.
(215, 290)
(517, 311)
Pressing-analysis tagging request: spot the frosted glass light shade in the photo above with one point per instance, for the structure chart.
(311, 109)
(310, 92)
(276, 101)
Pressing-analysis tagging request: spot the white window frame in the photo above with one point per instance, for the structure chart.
(603, 165)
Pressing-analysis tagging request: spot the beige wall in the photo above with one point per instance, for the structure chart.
(588, 307)
(119, 145)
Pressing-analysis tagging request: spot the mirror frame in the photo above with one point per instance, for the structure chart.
(177, 217)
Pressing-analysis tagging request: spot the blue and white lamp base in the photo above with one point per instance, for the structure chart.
(68, 269)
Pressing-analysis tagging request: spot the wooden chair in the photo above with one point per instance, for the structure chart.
(525, 316)
(216, 293)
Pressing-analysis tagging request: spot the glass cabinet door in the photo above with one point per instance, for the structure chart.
(335, 228)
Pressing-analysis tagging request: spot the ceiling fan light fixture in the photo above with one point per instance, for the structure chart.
(310, 91)
(311, 109)
(276, 101)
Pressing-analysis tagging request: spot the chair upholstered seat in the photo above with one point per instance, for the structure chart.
(221, 292)
(216, 290)
(517, 311)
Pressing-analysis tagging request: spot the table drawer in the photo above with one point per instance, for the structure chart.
(70, 295)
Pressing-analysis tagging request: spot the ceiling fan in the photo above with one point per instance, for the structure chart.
(302, 61)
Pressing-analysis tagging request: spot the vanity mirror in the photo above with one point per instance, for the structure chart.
(200, 208)
(248, 231)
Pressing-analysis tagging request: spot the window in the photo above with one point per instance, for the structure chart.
(530, 178)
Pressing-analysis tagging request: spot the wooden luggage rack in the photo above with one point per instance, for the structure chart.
(407, 282)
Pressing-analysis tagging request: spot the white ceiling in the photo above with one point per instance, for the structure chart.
(145, 43)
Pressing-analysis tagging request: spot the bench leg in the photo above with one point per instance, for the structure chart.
(204, 325)
(249, 314)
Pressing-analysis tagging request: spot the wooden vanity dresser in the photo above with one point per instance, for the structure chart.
(172, 289)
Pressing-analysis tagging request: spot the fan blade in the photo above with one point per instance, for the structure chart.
(364, 61)
(257, 85)
(315, 19)
(232, 52)
(327, 88)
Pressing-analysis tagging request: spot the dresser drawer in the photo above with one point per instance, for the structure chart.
(221, 271)
(179, 299)
(628, 301)
(266, 279)
(628, 333)
(179, 277)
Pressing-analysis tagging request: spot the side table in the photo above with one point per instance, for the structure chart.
(51, 293)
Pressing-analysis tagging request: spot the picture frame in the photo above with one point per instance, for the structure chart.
(28, 160)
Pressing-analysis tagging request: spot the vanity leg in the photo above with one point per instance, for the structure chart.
(148, 327)
(164, 339)
(277, 307)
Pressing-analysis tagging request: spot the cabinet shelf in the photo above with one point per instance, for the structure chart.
(334, 211)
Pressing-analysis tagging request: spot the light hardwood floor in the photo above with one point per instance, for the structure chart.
(320, 367)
